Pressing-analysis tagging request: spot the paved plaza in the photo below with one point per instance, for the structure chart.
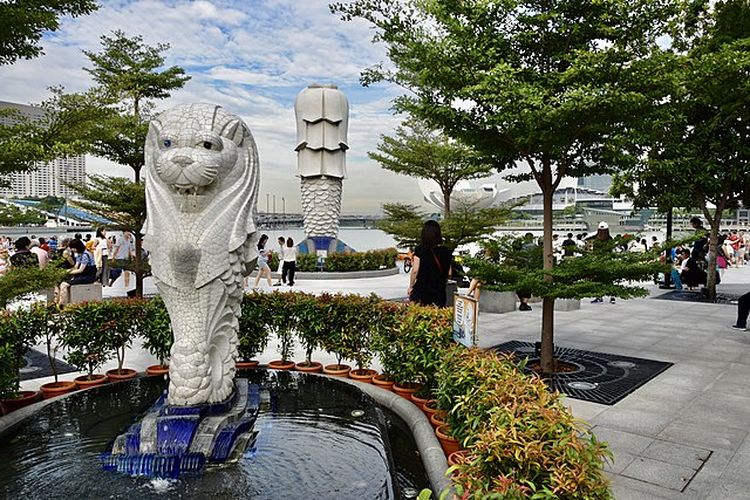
(684, 434)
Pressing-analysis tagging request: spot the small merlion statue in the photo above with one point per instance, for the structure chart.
(322, 113)
(201, 179)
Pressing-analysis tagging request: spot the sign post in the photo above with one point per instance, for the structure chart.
(465, 311)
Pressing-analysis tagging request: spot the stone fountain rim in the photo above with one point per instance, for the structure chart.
(430, 451)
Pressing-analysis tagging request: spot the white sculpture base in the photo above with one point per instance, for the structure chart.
(321, 205)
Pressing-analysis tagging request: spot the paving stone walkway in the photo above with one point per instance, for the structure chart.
(682, 435)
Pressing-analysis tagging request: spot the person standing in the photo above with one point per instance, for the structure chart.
(101, 254)
(431, 268)
(602, 242)
(569, 246)
(123, 250)
(282, 244)
(743, 309)
(263, 269)
(290, 262)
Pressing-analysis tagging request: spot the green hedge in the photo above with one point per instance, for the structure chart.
(372, 260)
(521, 441)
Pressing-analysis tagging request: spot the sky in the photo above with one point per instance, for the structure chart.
(252, 57)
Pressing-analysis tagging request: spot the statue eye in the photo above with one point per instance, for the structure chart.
(208, 145)
(167, 143)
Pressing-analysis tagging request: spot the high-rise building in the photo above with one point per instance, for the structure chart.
(47, 179)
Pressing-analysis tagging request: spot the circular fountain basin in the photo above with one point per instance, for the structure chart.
(318, 438)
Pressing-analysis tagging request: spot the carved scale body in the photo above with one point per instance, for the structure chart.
(202, 178)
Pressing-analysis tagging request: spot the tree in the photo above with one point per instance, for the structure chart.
(11, 215)
(541, 83)
(64, 127)
(129, 75)
(128, 72)
(123, 202)
(693, 149)
(419, 152)
(463, 225)
(23, 22)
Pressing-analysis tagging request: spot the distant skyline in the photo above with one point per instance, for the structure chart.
(251, 57)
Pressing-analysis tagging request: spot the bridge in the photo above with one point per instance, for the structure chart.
(276, 220)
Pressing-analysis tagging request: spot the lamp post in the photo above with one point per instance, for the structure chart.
(267, 197)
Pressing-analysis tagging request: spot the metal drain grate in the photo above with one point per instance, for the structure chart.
(603, 378)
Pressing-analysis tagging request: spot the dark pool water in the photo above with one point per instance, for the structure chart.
(309, 446)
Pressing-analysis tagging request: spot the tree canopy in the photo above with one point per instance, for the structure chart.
(416, 151)
(546, 84)
(24, 22)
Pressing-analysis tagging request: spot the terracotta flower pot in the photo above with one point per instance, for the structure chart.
(154, 370)
(312, 367)
(365, 376)
(406, 389)
(25, 398)
(457, 457)
(124, 374)
(84, 382)
(280, 364)
(53, 389)
(449, 444)
(438, 418)
(383, 382)
(337, 370)
(419, 401)
(430, 407)
(246, 365)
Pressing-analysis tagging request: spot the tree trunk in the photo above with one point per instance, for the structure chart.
(446, 203)
(548, 303)
(138, 264)
(713, 241)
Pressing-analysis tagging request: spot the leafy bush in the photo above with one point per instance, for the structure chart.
(411, 346)
(282, 320)
(349, 322)
(125, 318)
(311, 313)
(156, 329)
(84, 329)
(9, 378)
(252, 337)
(21, 281)
(18, 331)
(371, 260)
(521, 440)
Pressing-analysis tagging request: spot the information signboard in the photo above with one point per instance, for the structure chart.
(465, 311)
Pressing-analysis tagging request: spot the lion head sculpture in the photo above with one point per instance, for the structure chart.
(202, 177)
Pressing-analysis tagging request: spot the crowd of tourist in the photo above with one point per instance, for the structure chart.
(86, 258)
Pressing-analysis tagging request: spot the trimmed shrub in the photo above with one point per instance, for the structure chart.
(156, 329)
(522, 442)
(252, 337)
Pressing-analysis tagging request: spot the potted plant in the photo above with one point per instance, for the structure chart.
(417, 341)
(51, 327)
(156, 331)
(311, 315)
(382, 345)
(366, 316)
(283, 321)
(18, 331)
(124, 318)
(252, 337)
(84, 333)
(341, 324)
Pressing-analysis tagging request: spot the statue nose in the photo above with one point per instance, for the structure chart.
(182, 160)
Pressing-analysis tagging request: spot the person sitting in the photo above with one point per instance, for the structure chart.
(690, 273)
(83, 273)
(23, 256)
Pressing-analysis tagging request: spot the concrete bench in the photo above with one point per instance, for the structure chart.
(91, 292)
(497, 302)
(567, 304)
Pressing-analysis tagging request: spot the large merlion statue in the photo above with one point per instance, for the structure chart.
(202, 179)
(322, 114)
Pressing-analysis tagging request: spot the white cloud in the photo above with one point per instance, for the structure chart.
(251, 57)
